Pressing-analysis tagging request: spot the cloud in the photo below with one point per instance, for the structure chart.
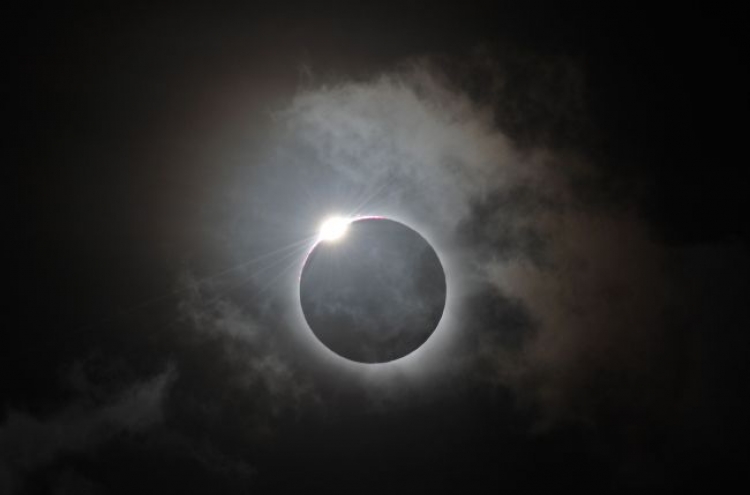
(242, 377)
(599, 302)
(406, 135)
(559, 291)
(28, 442)
(529, 221)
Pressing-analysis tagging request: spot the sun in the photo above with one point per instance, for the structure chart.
(333, 229)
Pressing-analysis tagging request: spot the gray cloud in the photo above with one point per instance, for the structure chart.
(529, 220)
(560, 293)
(248, 345)
(28, 442)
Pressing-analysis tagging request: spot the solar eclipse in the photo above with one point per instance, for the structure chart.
(372, 289)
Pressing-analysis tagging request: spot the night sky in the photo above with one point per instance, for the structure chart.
(578, 169)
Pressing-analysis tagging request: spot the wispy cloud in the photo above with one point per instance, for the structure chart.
(28, 442)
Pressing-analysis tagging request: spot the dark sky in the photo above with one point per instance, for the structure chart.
(579, 169)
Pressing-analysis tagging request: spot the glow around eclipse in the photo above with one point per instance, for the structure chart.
(333, 229)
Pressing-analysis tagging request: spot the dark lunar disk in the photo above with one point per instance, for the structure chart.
(374, 295)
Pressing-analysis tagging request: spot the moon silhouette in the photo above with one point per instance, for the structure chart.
(374, 294)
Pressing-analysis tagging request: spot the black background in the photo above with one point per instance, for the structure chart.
(98, 215)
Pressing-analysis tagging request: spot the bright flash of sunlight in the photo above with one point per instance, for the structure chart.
(333, 229)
